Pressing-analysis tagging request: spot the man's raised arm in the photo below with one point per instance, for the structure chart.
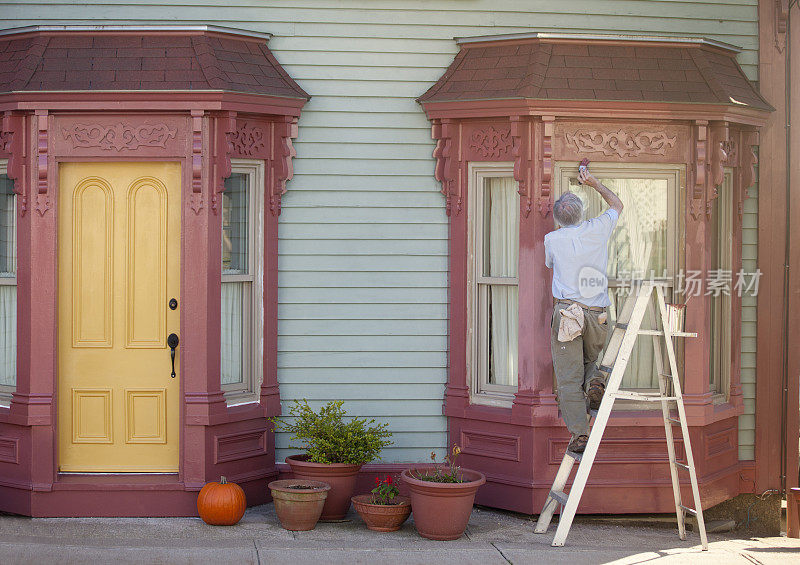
(611, 199)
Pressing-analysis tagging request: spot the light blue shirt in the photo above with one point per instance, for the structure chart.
(578, 256)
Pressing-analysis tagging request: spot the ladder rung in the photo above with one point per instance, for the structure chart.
(605, 369)
(681, 465)
(674, 421)
(688, 510)
(620, 326)
(673, 334)
(664, 376)
(561, 497)
(642, 397)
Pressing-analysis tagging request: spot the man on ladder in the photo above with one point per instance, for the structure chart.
(578, 255)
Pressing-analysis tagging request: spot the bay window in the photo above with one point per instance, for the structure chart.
(8, 287)
(241, 289)
(644, 245)
(493, 283)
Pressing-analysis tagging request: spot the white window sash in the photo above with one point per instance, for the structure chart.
(635, 377)
(478, 290)
(8, 323)
(252, 315)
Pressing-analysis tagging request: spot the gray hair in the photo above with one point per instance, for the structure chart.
(568, 210)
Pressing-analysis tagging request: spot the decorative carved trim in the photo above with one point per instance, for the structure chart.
(15, 145)
(248, 139)
(521, 138)
(731, 150)
(282, 162)
(5, 141)
(223, 147)
(544, 198)
(748, 165)
(719, 136)
(448, 171)
(781, 23)
(42, 200)
(491, 143)
(196, 198)
(120, 136)
(700, 178)
(621, 143)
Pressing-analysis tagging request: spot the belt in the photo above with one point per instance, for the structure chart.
(584, 306)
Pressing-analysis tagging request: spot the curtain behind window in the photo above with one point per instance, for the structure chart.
(501, 253)
(235, 261)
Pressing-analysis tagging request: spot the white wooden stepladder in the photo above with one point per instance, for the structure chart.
(615, 360)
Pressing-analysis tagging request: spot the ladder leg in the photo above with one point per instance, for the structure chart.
(551, 503)
(619, 360)
(673, 468)
(576, 490)
(682, 417)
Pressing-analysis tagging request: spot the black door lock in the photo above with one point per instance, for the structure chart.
(173, 304)
(172, 342)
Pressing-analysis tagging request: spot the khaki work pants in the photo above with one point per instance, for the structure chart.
(575, 364)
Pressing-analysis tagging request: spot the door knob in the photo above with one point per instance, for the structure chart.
(172, 342)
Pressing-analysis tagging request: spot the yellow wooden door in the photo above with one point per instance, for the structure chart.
(118, 267)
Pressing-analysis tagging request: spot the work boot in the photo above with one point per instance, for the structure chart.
(578, 444)
(595, 393)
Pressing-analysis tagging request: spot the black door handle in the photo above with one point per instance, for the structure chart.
(172, 342)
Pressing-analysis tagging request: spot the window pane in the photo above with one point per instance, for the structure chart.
(8, 231)
(232, 338)
(720, 270)
(234, 225)
(8, 292)
(503, 324)
(500, 227)
(639, 243)
(641, 370)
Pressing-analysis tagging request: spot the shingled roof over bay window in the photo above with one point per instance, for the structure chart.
(546, 66)
(99, 58)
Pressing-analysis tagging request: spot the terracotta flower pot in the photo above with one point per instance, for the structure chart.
(340, 476)
(442, 510)
(382, 517)
(299, 508)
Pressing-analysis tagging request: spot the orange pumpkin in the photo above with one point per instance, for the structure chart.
(222, 503)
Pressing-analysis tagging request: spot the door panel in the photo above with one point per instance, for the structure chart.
(119, 264)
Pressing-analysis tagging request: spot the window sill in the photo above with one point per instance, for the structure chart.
(498, 400)
(240, 398)
(5, 399)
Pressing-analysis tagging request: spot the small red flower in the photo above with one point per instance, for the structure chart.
(388, 480)
(377, 480)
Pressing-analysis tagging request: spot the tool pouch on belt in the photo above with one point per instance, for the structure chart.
(570, 325)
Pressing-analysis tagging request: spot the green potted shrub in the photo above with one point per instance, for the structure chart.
(383, 510)
(335, 449)
(442, 496)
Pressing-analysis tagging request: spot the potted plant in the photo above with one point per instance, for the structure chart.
(335, 449)
(298, 502)
(442, 496)
(384, 510)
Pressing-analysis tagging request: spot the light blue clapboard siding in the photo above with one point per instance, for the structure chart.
(363, 235)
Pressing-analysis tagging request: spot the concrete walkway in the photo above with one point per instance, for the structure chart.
(493, 537)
